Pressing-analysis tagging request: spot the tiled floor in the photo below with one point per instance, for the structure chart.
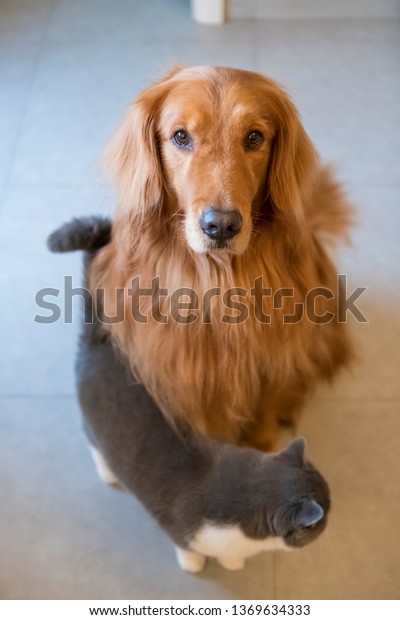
(67, 71)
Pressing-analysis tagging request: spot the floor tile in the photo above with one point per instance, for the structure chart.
(335, 30)
(120, 21)
(73, 109)
(355, 446)
(314, 9)
(17, 70)
(374, 372)
(152, 22)
(69, 536)
(37, 358)
(24, 20)
(211, 52)
(374, 254)
(347, 92)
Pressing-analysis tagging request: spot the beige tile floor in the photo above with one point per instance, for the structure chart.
(67, 71)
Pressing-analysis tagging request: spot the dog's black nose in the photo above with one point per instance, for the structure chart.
(220, 224)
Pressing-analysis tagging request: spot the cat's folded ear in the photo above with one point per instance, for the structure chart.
(294, 452)
(307, 513)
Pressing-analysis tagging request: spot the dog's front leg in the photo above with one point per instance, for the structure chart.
(277, 406)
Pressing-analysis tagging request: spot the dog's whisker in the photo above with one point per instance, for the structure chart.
(177, 213)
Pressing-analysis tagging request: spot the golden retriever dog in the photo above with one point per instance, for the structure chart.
(221, 253)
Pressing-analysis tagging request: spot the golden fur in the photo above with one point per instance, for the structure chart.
(234, 381)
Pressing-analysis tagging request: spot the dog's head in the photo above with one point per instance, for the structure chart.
(212, 147)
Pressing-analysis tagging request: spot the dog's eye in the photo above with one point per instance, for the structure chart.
(182, 139)
(254, 139)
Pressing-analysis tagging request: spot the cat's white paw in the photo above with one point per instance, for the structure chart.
(103, 470)
(190, 561)
(232, 562)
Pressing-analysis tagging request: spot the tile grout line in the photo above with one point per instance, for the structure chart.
(275, 575)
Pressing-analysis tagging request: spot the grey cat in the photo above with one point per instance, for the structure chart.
(212, 498)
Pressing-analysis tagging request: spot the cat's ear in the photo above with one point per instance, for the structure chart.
(294, 452)
(308, 513)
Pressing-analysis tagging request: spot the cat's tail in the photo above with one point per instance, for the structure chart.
(82, 233)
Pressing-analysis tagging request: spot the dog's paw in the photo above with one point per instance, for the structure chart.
(190, 561)
(232, 562)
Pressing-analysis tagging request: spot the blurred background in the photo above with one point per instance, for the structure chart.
(68, 69)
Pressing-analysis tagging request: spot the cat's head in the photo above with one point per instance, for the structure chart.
(297, 500)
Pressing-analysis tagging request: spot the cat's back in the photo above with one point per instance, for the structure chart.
(162, 466)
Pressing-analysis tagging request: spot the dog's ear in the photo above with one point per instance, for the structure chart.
(293, 159)
(132, 157)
